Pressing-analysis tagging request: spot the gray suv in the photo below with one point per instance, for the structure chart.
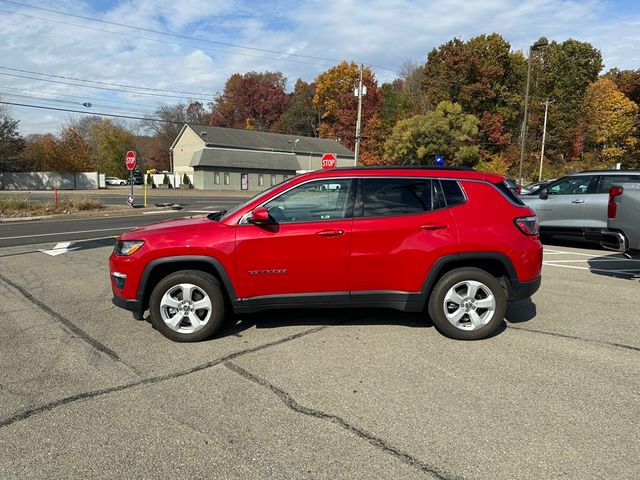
(576, 205)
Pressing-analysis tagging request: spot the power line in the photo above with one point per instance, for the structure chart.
(101, 83)
(98, 114)
(57, 94)
(176, 35)
(100, 88)
(69, 102)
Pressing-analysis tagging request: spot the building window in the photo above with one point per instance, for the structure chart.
(273, 180)
(284, 177)
(260, 180)
(216, 178)
(227, 180)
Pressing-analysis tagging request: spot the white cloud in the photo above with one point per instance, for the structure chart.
(380, 32)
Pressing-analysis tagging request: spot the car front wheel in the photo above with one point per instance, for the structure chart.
(468, 304)
(187, 306)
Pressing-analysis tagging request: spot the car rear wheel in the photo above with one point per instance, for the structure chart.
(468, 304)
(187, 306)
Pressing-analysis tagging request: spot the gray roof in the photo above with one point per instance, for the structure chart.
(253, 140)
(218, 157)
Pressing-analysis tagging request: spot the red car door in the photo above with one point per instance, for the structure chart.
(304, 250)
(401, 227)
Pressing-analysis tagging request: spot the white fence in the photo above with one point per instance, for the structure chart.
(50, 181)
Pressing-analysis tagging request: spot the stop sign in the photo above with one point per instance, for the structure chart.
(328, 160)
(130, 160)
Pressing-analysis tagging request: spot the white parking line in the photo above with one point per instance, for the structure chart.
(596, 259)
(625, 271)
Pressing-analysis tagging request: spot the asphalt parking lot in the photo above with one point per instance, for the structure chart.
(88, 392)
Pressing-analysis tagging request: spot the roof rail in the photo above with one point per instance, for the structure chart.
(405, 167)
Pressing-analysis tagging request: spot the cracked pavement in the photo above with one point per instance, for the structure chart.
(88, 392)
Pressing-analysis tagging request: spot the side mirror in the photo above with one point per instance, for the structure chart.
(544, 194)
(260, 216)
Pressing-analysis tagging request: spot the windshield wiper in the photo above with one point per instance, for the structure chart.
(216, 215)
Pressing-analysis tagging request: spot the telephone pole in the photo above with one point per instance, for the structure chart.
(544, 134)
(359, 93)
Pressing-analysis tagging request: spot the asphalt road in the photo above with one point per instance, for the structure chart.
(87, 392)
(112, 223)
(117, 195)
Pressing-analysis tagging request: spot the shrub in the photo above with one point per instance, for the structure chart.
(186, 180)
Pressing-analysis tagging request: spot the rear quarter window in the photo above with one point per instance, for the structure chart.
(453, 193)
(507, 192)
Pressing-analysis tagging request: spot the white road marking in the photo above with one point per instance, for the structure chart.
(597, 259)
(70, 233)
(59, 249)
(550, 264)
(157, 213)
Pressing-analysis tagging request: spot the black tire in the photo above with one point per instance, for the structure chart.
(204, 284)
(438, 310)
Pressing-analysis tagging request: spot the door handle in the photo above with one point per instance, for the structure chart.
(330, 233)
(434, 227)
(577, 201)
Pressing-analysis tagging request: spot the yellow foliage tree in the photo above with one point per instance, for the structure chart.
(609, 121)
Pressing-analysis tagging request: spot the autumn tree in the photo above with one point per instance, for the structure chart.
(338, 106)
(609, 122)
(11, 143)
(564, 71)
(71, 153)
(253, 100)
(300, 116)
(485, 78)
(165, 124)
(37, 152)
(627, 81)
(447, 131)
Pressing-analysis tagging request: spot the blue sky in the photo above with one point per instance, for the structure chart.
(384, 33)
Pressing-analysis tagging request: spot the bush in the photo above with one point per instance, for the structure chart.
(165, 180)
(186, 180)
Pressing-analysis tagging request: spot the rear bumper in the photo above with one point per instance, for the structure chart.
(522, 290)
(132, 305)
(616, 241)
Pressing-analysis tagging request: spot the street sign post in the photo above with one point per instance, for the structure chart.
(328, 161)
(130, 162)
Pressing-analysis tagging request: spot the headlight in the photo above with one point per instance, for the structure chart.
(127, 247)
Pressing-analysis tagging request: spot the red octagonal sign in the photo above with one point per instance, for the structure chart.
(130, 160)
(328, 160)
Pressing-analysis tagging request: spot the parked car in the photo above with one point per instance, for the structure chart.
(512, 185)
(532, 188)
(623, 220)
(411, 239)
(138, 178)
(576, 205)
(115, 181)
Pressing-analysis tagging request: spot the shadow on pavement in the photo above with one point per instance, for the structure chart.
(522, 311)
(615, 266)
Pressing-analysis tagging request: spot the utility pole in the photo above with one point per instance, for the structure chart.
(523, 134)
(544, 134)
(359, 93)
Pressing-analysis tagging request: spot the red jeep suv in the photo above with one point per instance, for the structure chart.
(455, 243)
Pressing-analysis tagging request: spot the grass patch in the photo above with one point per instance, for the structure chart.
(23, 207)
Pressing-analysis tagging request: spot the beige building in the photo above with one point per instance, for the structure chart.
(230, 159)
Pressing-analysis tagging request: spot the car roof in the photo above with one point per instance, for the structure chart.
(604, 172)
(460, 173)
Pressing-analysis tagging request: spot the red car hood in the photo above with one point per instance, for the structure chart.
(184, 224)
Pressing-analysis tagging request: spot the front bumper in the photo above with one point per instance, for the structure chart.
(132, 305)
(522, 290)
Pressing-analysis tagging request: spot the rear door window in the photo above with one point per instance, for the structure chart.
(573, 185)
(383, 197)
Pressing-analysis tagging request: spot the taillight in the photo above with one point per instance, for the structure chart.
(612, 208)
(518, 189)
(527, 225)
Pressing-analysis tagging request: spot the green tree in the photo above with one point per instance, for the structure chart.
(11, 143)
(447, 131)
(563, 73)
(485, 78)
(112, 141)
(300, 117)
(609, 122)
